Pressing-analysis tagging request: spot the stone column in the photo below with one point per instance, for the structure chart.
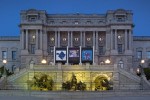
(41, 40)
(71, 39)
(58, 40)
(112, 40)
(80, 57)
(94, 40)
(107, 41)
(22, 38)
(26, 39)
(84, 39)
(55, 38)
(130, 40)
(81, 38)
(115, 39)
(68, 39)
(37, 39)
(126, 40)
(97, 40)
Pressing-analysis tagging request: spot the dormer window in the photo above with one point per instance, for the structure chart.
(120, 18)
(76, 22)
(88, 22)
(32, 17)
(51, 22)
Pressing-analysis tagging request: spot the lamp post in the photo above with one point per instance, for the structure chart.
(4, 62)
(140, 72)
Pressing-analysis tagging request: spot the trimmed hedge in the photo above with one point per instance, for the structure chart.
(147, 73)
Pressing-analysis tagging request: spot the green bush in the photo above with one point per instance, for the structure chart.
(73, 84)
(147, 73)
(8, 73)
(42, 82)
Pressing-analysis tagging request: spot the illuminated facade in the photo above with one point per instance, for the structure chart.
(84, 41)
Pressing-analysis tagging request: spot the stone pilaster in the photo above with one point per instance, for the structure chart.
(81, 39)
(71, 39)
(41, 40)
(27, 39)
(56, 39)
(37, 35)
(97, 40)
(68, 39)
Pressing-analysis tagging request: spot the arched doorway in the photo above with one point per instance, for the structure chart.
(101, 83)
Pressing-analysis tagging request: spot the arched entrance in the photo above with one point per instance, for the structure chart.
(101, 83)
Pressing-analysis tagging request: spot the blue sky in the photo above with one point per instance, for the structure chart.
(10, 11)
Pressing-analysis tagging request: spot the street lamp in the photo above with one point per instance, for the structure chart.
(140, 72)
(142, 61)
(4, 62)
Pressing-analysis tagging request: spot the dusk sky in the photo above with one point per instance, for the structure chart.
(10, 11)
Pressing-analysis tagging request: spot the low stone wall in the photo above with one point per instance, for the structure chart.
(2, 82)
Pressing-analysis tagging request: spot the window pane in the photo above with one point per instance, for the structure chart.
(101, 50)
(51, 49)
(32, 48)
(4, 55)
(148, 54)
(119, 48)
(139, 54)
(13, 55)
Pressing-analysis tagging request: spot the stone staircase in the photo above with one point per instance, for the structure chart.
(127, 80)
(132, 81)
(17, 75)
(14, 83)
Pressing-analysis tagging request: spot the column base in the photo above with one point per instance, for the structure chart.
(114, 52)
(128, 52)
(38, 52)
(24, 52)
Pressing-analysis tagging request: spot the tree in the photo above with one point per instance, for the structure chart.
(42, 82)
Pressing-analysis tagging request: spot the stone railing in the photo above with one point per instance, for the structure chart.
(129, 75)
(74, 67)
(16, 74)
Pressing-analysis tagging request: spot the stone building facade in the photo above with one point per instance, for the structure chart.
(110, 35)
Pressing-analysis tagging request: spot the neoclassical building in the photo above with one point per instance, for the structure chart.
(76, 39)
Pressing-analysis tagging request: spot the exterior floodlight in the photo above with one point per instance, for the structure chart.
(107, 61)
(43, 61)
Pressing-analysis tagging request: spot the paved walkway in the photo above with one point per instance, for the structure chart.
(64, 95)
(102, 98)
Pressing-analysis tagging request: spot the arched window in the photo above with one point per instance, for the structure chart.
(121, 64)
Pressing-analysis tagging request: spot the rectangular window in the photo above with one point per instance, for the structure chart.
(148, 54)
(101, 50)
(4, 55)
(32, 48)
(14, 55)
(51, 50)
(139, 54)
(120, 50)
